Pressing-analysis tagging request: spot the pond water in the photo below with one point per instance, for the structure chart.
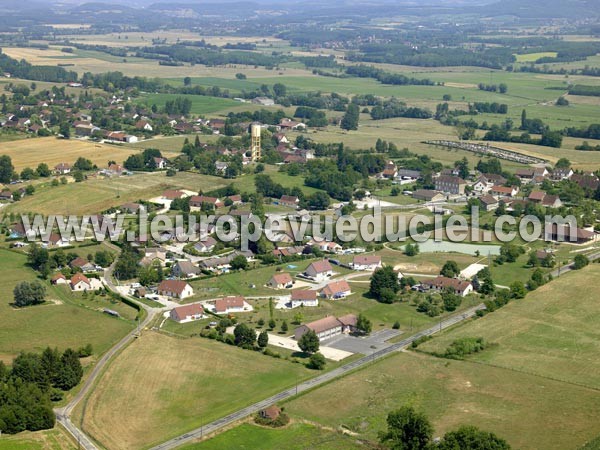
(432, 246)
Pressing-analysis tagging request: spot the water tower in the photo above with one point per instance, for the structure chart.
(255, 133)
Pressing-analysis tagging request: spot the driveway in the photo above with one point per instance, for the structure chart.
(331, 353)
(365, 345)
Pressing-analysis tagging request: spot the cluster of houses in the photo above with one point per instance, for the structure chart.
(78, 282)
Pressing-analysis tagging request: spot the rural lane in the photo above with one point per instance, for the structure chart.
(312, 383)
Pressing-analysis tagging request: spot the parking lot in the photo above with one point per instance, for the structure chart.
(365, 345)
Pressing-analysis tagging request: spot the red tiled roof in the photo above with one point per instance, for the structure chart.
(304, 294)
(222, 304)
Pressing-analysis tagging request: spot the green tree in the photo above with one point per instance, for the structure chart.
(309, 342)
(407, 429)
(518, 290)
(450, 269)
(471, 438)
(263, 339)
(350, 119)
(382, 278)
(6, 169)
(244, 335)
(316, 361)
(272, 324)
(284, 327)
(239, 263)
(26, 293)
(70, 372)
(451, 301)
(580, 261)
(43, 170)
(411, 249)
(363, 324)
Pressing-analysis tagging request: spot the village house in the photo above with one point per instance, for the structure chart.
(541, 198)
(206, 245)
(441, 283)
(131, 208)
(54, 240)
(196, 202)
(187, 313)
(173, 194)
(336, 290)
(143, 125)
(504, 191)
(482, 185)
(489, 202)
(390, 171)
(281, 281)
(184, 269)
(564, 233)
(529, 175)
(450, 184)
(405, 176)
(289, 124)
(319, 270)
(303, 297)
(228, 305)
(366, 262)
(586, 181)
(59, 278)
(6, 195)
(427, 195)
(290, 201)
(175, 288)
(160, 163)
(263, 101)
(328, 327)
(62, 168)
(562, 174)
(79, 283)
(82, 264)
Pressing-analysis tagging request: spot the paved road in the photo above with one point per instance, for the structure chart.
(313, 382)
(63, 414)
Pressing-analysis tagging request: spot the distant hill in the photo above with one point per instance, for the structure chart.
(543, 8)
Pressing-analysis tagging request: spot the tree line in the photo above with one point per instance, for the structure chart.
(34, 381)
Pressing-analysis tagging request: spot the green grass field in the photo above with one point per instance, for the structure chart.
(64, 321)
(531, 57)
(515, 405)
(185, 383)
(552, 333)
(54, 439)
(297, 436)
(200, 104)
(96, 195)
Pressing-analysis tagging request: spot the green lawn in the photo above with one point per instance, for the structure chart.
(297, 436)
(64, 321)
(552, 333)
(529, 411)
(186, 382)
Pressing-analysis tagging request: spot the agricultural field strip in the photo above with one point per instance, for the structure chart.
(314, 382)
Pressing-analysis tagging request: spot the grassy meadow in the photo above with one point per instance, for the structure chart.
(552, 333)
(185, 383)
(513, 404)
(296, 436)
(65, 320)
